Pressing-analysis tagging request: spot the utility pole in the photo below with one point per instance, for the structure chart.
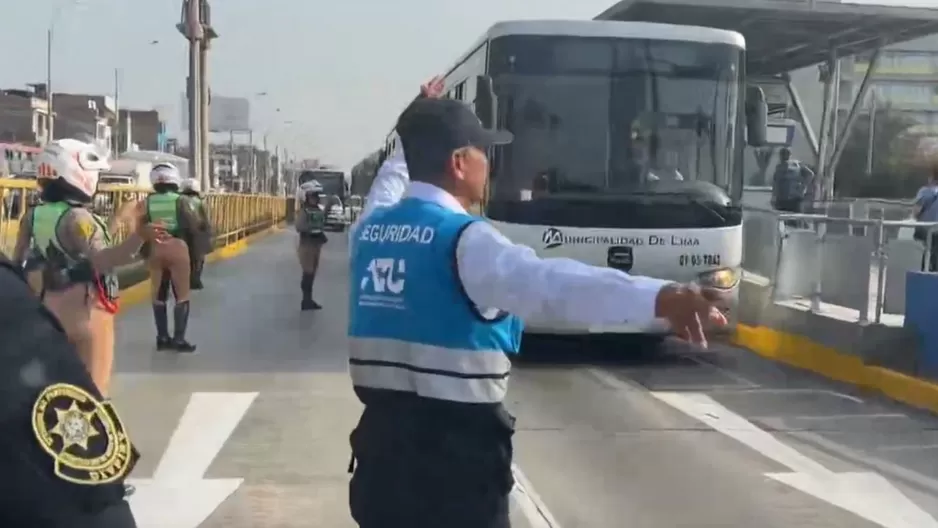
(50, 118)
(115, 134)
(265, 187)
(195, 26)
(871, 139)
(205, 95)
(253, 162)
(232, 161)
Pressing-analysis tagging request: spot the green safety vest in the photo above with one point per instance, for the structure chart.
(315, 219)
(164, 208)
(46, 218)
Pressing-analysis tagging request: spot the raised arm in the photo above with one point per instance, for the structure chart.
(499, 274)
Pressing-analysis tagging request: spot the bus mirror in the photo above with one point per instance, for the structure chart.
(757, 117)
(485, 103)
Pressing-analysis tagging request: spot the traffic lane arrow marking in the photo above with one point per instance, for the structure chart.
(868, 495)
(159, 504)
(178, 495)
(865, 494)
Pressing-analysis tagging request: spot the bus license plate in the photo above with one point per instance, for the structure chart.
(620, 258)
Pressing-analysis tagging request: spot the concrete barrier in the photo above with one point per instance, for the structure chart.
(874, 357)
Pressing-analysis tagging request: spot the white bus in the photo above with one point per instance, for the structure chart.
(628, 149)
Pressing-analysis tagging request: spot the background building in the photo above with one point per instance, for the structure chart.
(905, 83)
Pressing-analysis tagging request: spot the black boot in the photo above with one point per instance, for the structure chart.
(163, 341)
(306, 286)
(195, 278)
(180, 324)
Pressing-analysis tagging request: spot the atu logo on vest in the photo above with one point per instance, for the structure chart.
(387, 275)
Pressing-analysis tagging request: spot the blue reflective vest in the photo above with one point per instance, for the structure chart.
(411, 326)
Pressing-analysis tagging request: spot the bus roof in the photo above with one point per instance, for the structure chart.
(614, 29)
(607, 29)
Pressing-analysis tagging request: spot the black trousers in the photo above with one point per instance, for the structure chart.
(426, 473)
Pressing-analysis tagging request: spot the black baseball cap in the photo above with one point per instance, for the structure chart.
(431, 128)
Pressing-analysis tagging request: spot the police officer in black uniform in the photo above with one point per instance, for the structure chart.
(64, 453)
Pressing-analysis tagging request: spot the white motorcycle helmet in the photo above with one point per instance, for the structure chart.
(310, 187)
(191, 185)
(165, 174)
(76, 163)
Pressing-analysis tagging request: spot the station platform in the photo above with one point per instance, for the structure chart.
(252, 430)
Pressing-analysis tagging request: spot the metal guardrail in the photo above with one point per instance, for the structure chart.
(856, 263)
(233, 216)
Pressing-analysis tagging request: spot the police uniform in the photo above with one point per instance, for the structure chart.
(311, 224)
(64, 453)
(52, 254)
(163, 208)
(200, 243)
(433, 446)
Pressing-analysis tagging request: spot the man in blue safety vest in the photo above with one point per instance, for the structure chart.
(437, 299)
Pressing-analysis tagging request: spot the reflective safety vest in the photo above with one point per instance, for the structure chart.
(315, 219)
(411, 326)
(163, 208)
(46, 219)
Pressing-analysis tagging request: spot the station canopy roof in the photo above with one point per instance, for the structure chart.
(786, 35)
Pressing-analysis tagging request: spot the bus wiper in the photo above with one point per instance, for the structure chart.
(693, 200)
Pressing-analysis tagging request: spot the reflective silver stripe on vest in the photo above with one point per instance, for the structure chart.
(429, 371)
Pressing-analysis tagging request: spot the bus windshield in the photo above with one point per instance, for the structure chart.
(333, 182)
(613, 116)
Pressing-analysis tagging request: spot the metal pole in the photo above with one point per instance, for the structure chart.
(194, 35)
(841, 143)
(253, 159)
(204, 124)
(115, 134)
(872, 135)
(824, 137)
(832, 141)
(231, 161)
(50, 124)
(266, 184)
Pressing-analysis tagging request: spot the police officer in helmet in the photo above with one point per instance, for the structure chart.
(437, 299)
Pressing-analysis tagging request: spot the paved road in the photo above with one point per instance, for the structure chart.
(597, 448)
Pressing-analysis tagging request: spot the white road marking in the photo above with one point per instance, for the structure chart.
(868, 495)
(178, 495)
(529, 502)
(208, 421)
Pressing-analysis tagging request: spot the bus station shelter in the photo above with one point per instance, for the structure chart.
(786, 35)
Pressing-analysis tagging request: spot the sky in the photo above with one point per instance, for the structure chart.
(341, 72)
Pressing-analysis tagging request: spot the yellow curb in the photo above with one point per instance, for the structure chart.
(806, 354)
(140, 292)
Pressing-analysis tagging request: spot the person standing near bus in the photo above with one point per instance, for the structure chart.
(437, 299)
(63, 231)
(310, 223)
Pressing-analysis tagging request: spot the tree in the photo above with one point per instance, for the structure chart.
(894, 174)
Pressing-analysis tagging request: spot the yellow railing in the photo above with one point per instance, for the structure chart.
(233, 216)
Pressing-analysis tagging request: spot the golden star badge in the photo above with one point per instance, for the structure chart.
(74, 427)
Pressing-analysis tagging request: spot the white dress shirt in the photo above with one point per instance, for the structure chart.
(389, 184)
(498, 274)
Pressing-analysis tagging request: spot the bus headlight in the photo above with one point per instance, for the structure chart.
(724, 279)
